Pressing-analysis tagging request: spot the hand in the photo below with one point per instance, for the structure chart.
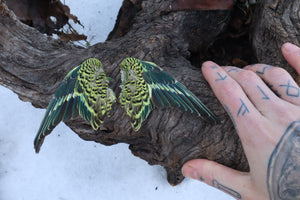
(264, 104)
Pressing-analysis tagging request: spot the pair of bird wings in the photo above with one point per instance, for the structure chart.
(146, 86)
(84, 91)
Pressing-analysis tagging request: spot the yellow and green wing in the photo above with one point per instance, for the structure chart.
(84, 91)
(95, 98)
(62, 107)
(167, 91)
(135, 96)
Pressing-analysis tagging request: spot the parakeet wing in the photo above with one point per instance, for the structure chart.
(135, 96)
(61, 107)
(167, 91)
(84, 91)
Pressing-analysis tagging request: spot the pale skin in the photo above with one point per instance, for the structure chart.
(264, 104)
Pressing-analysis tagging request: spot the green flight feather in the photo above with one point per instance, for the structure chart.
(146, 85)
(84, 91)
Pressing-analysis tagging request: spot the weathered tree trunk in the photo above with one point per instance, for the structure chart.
(274, 23)
(33, 65)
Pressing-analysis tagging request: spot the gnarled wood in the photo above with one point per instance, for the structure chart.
(274, 23)
(33, 65)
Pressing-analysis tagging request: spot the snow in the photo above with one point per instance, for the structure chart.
(69, 168)
(97, 16)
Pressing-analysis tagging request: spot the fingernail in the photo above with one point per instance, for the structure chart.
(289, 47)
(189, 171)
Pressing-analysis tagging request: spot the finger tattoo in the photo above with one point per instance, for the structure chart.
(243, 109)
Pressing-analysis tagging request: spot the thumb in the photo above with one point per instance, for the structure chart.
(230, 181)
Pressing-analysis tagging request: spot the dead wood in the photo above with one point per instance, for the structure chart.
(33, 65)
(274, 23)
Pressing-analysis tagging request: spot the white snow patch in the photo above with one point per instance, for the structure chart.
(97, 16)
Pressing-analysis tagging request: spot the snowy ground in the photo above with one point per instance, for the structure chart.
(69, 168)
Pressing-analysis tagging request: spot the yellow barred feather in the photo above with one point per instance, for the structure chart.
(84, 91)
(135, 96)
(146, 86)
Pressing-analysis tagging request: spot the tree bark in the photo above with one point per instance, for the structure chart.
(33, 65)
(274, 23)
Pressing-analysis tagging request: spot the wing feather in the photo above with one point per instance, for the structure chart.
(160, 98)
(168, 91)
(83, 92)
(135, 96)
(94, 102)
(57, 108)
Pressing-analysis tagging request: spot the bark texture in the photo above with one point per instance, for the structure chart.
(33, 65)
(274, 23)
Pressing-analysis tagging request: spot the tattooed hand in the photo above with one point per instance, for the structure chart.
(264, 104)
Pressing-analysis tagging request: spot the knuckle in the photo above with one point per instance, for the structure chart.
(286, 114)
(229, 88)
(246, 76)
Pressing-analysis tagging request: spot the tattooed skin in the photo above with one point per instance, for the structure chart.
(226, 189)
(283, 177)
(222, 78)
(292, 91)
(272, 88)
(234, 70)
(262, 72)
(265, 97)
(243, 109)
(202, 179)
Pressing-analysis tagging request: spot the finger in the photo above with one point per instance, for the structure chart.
(257, 91)
(279, 80)
(231, 95)
(292, 55)
(233, 182)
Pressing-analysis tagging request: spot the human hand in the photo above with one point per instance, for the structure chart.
(264, 105)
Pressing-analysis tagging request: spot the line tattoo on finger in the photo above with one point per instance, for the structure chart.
(226, 189)
(243, 109)
(264, 69)
(292, 91)
(234, 69)
(222, 78)
(265, 96)
(202, 179)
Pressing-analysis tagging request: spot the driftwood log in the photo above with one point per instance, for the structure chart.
(33, 65)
